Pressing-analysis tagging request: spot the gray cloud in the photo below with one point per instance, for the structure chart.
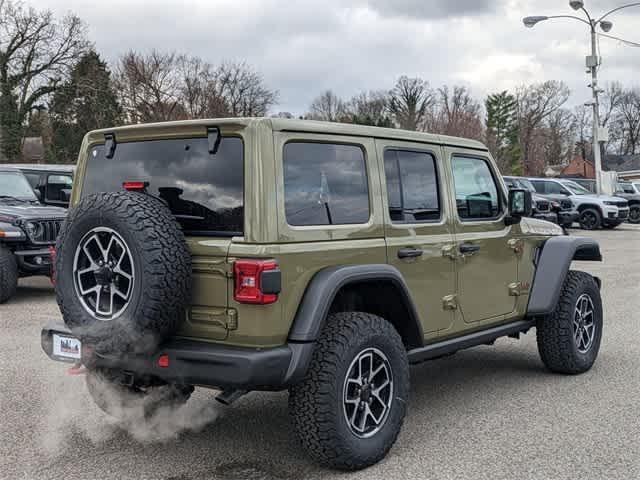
(434, 9)
(303, 47)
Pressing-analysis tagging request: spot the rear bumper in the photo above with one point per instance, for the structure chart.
(194, 362)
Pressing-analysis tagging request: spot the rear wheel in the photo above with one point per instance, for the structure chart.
(590, 219)
(350, 406)
(8, 274)
(634, 214)
(132, 402)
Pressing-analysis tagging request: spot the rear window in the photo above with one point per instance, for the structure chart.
(205, 192)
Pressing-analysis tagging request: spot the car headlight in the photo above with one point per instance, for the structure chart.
(33, 229)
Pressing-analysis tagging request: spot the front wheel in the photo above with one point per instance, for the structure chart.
(590, 219)
(8, 274)
(634, 214)
(350, 406)
(569, 337)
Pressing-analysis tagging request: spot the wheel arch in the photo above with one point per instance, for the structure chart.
(375, 288)
(553, 262)
(584, 206)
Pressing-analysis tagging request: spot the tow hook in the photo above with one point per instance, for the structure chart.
(77, 369)
(227, 397)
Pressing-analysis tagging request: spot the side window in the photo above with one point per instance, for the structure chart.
(58, 187)
(412, 186)
(538, 185)
(476, 190)
(555, 188)
(325, 184)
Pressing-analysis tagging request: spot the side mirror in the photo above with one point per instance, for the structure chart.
(520, 205)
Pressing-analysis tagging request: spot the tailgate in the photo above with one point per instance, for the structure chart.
(209, 317)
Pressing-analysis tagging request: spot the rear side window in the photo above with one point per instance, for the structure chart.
(325, 184)
(203, 191)
(412, 186)
(476, 190)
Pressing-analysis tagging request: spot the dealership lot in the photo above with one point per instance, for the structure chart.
(491, 412)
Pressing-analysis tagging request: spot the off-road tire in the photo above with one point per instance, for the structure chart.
(634, 214)
(8, 274)
(316, 404)
(161, 287)
(132, 403)
(595, 216)
(555, 332)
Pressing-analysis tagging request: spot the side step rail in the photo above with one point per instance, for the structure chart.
(452, 345)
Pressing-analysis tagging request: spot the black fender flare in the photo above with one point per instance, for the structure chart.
(553, 262)
(325, 285)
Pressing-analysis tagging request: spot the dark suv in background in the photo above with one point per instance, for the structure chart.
(28, 231)
(52, 183)
(554, 208)
(631, 194)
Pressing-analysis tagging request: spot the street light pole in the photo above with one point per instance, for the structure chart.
(593, 62)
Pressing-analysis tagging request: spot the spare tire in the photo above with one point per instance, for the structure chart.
(123, 272)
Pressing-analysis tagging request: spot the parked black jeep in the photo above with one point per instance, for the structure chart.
(28, 231)
(627, 190)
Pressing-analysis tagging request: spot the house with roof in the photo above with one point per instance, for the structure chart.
(626, 166)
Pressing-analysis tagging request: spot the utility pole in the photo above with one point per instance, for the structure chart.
(593, 63)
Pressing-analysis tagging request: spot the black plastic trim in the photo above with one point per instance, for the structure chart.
(324, 286)
(271, 281)
(447, 347)
(193, 362)
(553, 264)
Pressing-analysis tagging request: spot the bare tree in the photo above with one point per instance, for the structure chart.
(535, 104)
(243, 90)
(149, 86)
(559, 132)
(458, 113)
(409, 102)
(327, 107)
(370, 108)
(583, 131)
(36, 53)
(628, 122)
(199, 91)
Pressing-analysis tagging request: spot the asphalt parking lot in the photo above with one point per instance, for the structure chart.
(486, 413)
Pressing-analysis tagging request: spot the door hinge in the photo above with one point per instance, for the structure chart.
(518, 288)
(516, 244)
(449, 251)
(450, 302)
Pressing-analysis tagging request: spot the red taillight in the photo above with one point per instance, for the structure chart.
(163, 361)
(256, 281)
(134, 186)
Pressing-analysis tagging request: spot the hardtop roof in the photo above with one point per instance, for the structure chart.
(296, 125)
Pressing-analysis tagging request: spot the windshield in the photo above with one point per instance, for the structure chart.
(526, 184)
(13, 184)
(637, 185)
(575, 188)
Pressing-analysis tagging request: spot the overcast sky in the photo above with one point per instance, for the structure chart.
(304, 47)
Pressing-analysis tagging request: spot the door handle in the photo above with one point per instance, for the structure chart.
(409, 253)
(468, 248)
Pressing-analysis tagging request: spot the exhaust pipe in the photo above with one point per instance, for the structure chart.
(227, 397)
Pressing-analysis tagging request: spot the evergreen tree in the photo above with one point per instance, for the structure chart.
(86, 102)
(503, 131)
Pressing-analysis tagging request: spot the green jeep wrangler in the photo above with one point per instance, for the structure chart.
(272, 254)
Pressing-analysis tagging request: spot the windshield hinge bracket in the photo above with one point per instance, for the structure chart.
(213, 135)
(109, 145)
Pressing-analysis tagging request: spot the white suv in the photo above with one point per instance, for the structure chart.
(595, 210)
